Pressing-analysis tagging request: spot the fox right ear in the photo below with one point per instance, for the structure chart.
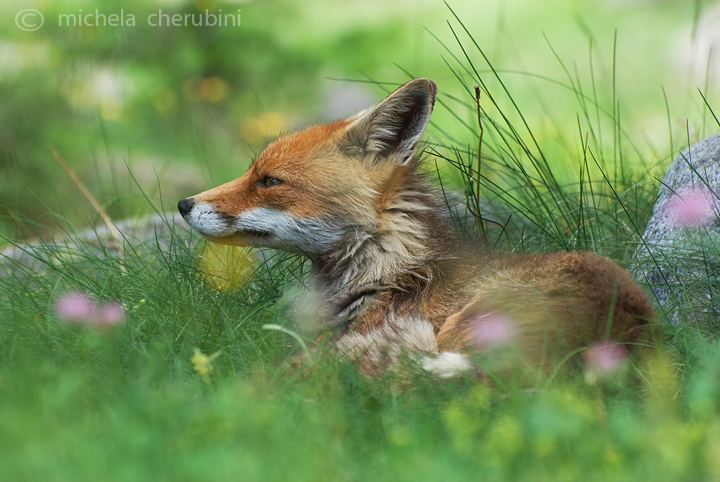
(392, 129)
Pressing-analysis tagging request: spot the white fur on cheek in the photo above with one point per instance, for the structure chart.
(281, 229)
(309, 235)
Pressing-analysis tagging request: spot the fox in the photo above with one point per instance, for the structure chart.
(392, 278)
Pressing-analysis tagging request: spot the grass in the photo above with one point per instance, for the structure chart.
(191, 386)
(128, 404)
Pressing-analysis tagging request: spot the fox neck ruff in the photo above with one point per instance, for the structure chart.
(376, 268)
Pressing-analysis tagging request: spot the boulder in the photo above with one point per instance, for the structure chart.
(680, 254)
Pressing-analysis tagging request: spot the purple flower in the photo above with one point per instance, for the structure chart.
(109, 314)
(74, 307)
(491, 330)
(692, 207)
(604, 357)
(81, 308)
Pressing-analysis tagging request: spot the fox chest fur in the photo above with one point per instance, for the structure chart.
(391, 277)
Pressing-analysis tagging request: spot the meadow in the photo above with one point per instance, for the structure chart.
(162, 360)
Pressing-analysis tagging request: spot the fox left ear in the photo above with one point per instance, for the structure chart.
(392, 129)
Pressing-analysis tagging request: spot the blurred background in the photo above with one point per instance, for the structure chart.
(147, 114)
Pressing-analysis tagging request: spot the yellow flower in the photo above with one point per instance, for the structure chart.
(228, 267)
(202, 364)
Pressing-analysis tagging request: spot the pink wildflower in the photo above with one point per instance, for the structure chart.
(692, 207)
(604, 357)
(108, 314)
(74, 307)
(492, 330)
(81, 308)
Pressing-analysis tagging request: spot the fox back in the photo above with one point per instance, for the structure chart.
(392, 279)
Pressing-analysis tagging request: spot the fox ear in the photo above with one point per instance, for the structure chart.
(392, 129)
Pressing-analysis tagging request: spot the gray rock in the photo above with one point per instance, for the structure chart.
(680, 258)
(75, 248)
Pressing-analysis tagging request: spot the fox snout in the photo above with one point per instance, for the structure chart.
(206, 218)
(185, 205)
(258, 225)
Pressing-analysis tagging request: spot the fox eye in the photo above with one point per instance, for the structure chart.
(269, 181)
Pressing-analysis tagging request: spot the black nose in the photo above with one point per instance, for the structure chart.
(185, 205)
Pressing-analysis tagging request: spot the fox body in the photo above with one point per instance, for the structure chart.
(391, 276)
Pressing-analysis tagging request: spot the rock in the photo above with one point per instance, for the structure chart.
(54, 254)
(680, 257)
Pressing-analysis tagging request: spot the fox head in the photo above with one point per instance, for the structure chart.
(309, 190)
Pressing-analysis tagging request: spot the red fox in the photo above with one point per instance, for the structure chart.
(393, 278)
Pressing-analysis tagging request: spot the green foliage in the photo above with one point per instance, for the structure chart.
(128, 404)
